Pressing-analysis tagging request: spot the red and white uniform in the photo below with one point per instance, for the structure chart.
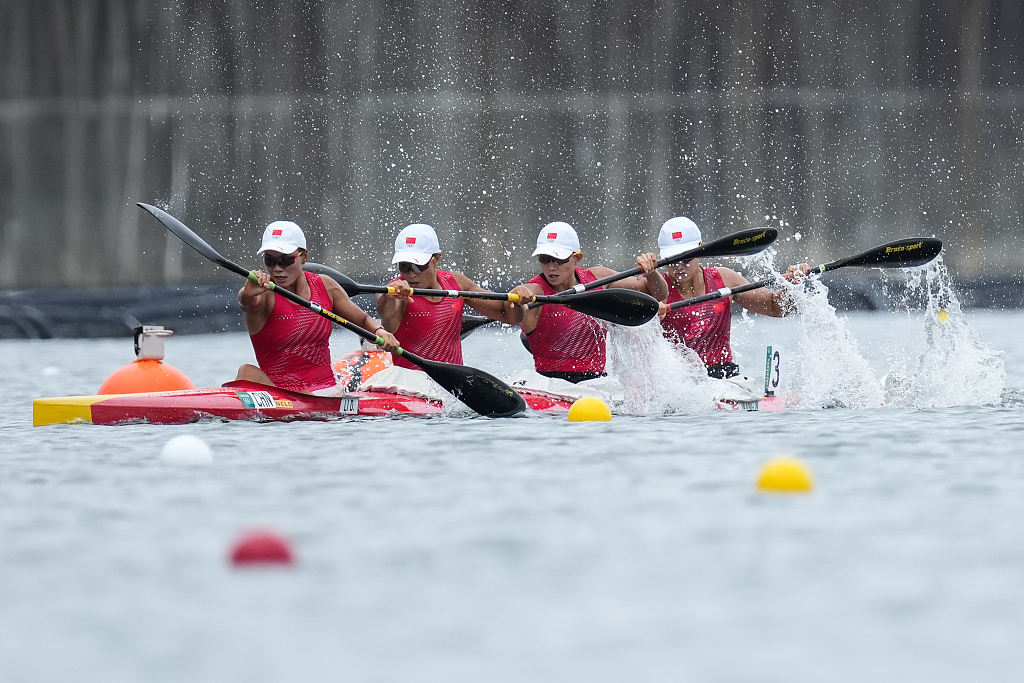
(293, 346)
(705, 327)
(431, 328)
(566, 340)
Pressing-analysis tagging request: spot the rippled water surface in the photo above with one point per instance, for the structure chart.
(467, 549)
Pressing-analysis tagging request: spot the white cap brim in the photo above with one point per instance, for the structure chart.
(553, 250)
(676, 249)
(283, 247)
(417, 257)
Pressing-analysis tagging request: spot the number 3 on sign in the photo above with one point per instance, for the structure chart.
(774, 372)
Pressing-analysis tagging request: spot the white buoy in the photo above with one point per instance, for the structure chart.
(186, 450)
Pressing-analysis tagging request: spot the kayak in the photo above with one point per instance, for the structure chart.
(249, 401)
(240, 400)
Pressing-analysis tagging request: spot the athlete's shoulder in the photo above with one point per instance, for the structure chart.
(730, 278)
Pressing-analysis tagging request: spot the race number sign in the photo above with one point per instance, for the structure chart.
(774, 372)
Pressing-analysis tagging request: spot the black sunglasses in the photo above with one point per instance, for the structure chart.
(545, 260)
(284, 260)
(406, 267)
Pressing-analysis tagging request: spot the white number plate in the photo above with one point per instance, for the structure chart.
(350, 405)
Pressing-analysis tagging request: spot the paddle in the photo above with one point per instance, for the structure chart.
(742, 243)
(906, 253)
(619, 306)
(479, 390)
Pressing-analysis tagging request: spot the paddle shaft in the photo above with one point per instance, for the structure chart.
(899, 254)
(742, 243)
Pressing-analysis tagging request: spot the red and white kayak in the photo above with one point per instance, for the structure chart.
(240, 401)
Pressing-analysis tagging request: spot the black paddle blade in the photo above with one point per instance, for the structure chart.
(471, 322)
(185, 234)
(742, 243)
(620, 306)
(350, 286)
(481, 391)
(907, 253)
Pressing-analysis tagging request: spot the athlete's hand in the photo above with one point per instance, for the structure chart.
(662, 310)
(402, 289)
(257, 287)
(390, 343)
(525, 294)
(797, 272)
(647, 262)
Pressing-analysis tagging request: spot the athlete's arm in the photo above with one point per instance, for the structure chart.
(346, 308)
(763, 300)
(530, 315)
(651, 282)
(256, 302)
(502, 311)
(392, 308)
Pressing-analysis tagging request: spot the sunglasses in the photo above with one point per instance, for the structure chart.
(406, 267)
(547, 260)
(284, 260)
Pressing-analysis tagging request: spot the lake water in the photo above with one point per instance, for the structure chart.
(468, 549)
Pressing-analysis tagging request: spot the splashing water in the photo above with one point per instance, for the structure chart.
(829, 370)
(657, 377)
(957, 367)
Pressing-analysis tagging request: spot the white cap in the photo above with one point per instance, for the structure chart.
(677, 235)
(557, 239)
(283, 236)
(416, 243)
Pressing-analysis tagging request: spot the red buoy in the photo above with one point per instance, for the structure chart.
(261, 548)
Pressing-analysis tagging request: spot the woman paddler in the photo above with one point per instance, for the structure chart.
(430, 326)
(292, 343)
(567, 344)
(705, 327)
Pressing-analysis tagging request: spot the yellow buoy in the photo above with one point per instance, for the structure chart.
(785, 474)
(589, 409)
(942, 315)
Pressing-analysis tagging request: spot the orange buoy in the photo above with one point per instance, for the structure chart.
(141, 376)
(148, 373)
(261, 548)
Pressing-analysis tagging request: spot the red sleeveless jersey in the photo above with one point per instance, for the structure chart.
(705, 327)
(293, 347)
(566, 340)
(431, 328)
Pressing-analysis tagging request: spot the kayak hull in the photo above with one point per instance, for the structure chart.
(249, 401)
(240, 400)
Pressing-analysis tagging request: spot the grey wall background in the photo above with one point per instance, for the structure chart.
(850, 123)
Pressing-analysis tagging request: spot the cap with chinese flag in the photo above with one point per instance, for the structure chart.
(677, 235)
(416, 243)
(282, 236)
(557, 239)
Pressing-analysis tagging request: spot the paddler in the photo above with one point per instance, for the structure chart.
(705, 327)
(567, 344)
(430, 326)
(292, 343)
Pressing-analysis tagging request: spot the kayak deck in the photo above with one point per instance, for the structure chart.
(239, 400)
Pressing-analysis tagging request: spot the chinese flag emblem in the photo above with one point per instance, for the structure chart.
(552, 235)
(677, 235)
(276, 233)
(719, 306)
(410, 240)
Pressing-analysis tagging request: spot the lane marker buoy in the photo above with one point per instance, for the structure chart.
(785, 474)
(186, 449)
(589, 409)
(261, 547)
